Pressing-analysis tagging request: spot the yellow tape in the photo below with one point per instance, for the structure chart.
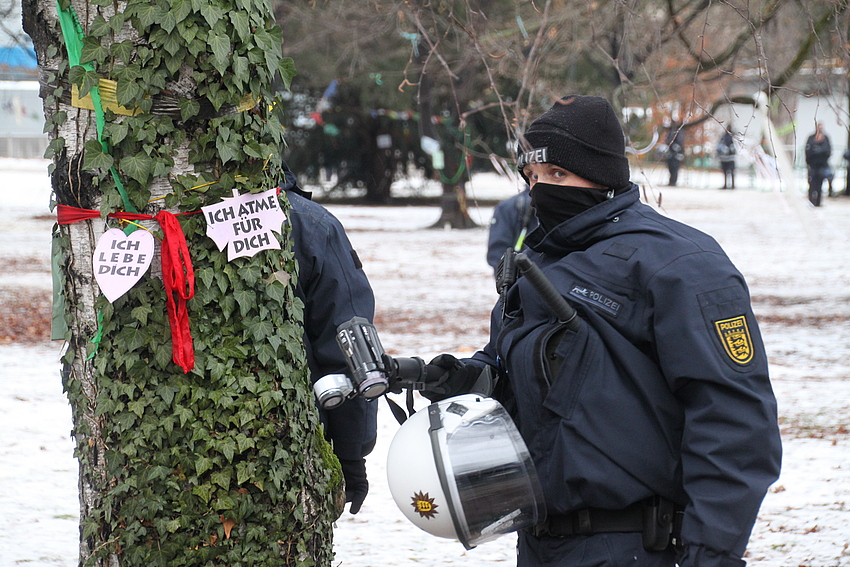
(247, 102)
(108, 98)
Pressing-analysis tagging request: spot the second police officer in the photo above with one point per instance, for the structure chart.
(657, 415)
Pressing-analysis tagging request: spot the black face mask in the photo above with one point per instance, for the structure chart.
(554, 204)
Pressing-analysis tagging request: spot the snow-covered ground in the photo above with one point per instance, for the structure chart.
(434, 292)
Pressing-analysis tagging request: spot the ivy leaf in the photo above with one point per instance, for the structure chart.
(277, 291)
(244, 472)
(211, 13)
(99, 27)
(202, 465)
(187, 32)
(204, 275)
(204, 492)
(167, 392)
(263, 40)
(229, 151)
(241, 24)
(266, 353)
(127, 93)
(217, 370)
(286, 68)
(162, 356)
(90, 79)
(54, 146)
(122, 50)
(246, 299)
(132, 338)
(253, 149)
(248, 383)
(233, 349)
(174, 62)
(94, 158)
(181, 9)
(188, 108)
(220, 46)
(241, 69)
(172, 44)
(137, 407)
(185, 414)
(76, 74)
(140, 314)
(148, 14)
(260, 329)
(129, 72)
(116, 22)
(272, 60)
(227, 447)
(168, 21)
(138, 167)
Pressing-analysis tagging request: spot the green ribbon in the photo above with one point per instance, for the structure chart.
(72, 32)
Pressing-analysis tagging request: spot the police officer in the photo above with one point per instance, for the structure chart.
(653, 426)
(510, 217)
(334, 288)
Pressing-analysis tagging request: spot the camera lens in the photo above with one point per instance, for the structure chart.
(373, 386)
(332, 390)
(329, 399)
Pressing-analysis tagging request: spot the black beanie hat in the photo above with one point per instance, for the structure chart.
(582, 135)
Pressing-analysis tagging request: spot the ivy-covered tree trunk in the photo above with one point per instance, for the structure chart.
(219, 462)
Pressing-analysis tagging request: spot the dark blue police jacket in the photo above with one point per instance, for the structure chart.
(509, 218)
(333, 287)
(664, 390)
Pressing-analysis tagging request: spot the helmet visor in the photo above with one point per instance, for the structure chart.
(489, 472)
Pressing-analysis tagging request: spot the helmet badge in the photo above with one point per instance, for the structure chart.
(423, 505)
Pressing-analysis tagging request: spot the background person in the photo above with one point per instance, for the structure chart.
(726, 155)
(818, 151)
(675, 152)
(657, 414)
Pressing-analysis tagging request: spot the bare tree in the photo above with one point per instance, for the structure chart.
(196, 430)
(482, 56)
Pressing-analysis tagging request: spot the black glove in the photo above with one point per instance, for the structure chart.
(447, 377)
(356, 485)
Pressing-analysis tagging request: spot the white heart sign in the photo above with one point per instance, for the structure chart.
(120, 260)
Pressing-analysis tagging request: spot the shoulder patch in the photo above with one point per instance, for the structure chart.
(620, 250)
(735, 336)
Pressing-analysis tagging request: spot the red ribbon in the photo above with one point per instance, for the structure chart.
(66, 214)
(178, 276)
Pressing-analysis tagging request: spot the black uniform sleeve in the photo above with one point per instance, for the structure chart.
(711, 352)
(334, 288)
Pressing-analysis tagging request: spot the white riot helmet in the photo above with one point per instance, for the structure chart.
(459, 469)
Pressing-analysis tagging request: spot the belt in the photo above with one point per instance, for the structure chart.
(592, 521)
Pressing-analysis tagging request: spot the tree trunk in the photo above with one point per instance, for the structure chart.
(221, 461)
(380, 163)
(453, 210)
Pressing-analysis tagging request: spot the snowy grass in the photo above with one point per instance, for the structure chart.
(434, 292)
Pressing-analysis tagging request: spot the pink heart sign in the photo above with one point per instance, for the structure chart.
(120, 260)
